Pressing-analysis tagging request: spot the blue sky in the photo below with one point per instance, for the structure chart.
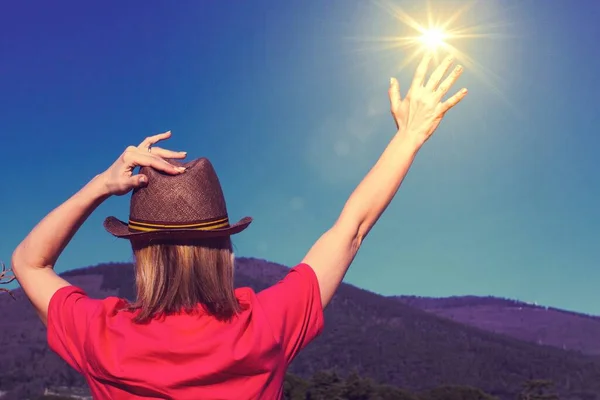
(293, 111)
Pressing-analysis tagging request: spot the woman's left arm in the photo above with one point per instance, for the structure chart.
(34, 258)
(417, 117)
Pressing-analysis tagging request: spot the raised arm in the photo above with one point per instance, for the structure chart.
(417, 117)
(33, 260)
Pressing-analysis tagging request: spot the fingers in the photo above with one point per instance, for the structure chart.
(421, 72)
(149, 160)
(164, 153)
(394, 94)
(454, 100)
(146, 145)
(138, 180)
(449, 81)
(439, 73)
(134, 157)
(150, 140)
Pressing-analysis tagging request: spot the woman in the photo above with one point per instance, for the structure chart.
(189, 334)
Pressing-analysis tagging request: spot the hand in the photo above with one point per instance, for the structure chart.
(119, 178)
(421, 111)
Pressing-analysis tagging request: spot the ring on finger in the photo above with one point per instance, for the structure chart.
(149, 148)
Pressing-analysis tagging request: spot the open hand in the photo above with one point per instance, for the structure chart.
(418, 115)
(119, 178)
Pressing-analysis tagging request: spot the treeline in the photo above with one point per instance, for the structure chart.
(328, 385)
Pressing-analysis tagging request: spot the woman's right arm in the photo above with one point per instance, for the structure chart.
(34, 258)
(417, 117)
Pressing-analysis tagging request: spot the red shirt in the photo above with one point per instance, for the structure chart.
(183, 356)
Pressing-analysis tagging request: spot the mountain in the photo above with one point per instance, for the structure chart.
(379, 337)
(524, 321)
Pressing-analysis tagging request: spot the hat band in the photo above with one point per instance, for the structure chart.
(200, 226)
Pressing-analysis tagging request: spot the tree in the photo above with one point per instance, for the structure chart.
(388, 392)
(294, 387)
(325, 385)
(6, 277)
(451, 392)
(538, 389)
(358, 388)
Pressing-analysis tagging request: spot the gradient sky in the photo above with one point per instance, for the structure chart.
(293, 111)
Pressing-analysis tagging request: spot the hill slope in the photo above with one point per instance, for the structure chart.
(524, 321)
(380, 337)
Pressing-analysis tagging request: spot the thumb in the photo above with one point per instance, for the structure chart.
(139, 180)
(394, 94)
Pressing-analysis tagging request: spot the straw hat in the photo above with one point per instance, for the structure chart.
(184, 206)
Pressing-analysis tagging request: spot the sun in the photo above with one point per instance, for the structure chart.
(442, 33)
(437, 33)
(433, 38)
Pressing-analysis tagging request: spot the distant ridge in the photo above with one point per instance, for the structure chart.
(525, 321)
(425, 302)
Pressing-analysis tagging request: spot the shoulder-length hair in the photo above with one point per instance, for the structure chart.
(181, 277)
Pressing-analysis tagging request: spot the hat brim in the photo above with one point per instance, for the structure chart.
(120, 229)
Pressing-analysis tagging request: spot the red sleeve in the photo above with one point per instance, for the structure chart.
(294, 310)
(69, 312)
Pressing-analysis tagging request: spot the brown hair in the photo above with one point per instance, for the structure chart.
(183, 277)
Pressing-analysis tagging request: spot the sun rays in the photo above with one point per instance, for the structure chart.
(441, 32)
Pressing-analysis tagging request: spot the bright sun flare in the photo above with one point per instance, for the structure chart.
(433, 38)
(440, 34)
